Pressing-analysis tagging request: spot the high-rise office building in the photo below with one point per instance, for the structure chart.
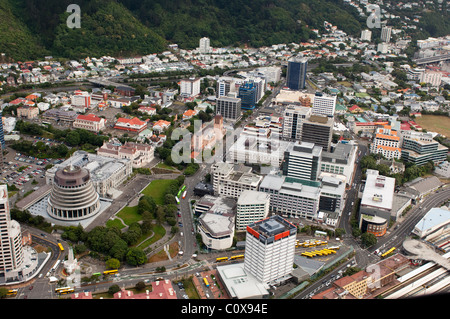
(251, 207)
(228, 107)
(324, 105)
(204, 45)
(223, 87)
(318, 129)
(190, 87)
(296, 73)
(269, 249)
(418, 148)
(248, 95)
(11, 249)
(292, 197)
(293, 118)
(366, 35)
(386, 34)
(2, 134)
(302, 161)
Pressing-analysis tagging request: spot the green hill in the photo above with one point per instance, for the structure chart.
(16, 40)
(238, 22)
(31, 28)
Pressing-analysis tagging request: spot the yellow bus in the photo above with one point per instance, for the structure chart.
(307, 254)
(236, 257)
(61, 248)
(325, 252)
(110, 272)
(66, 291)
(12, 292)
(206, 282)
(220, 259)
(57, 290)
(387, 252)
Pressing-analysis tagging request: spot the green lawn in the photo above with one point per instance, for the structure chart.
(114, 223)
(159, 232)
(157, 189)
(129, 215)
(165, 166)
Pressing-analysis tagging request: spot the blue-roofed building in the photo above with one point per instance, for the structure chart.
(435, 223)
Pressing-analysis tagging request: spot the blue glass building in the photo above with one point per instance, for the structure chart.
(296, 74)
(248, 95)
(2, 134)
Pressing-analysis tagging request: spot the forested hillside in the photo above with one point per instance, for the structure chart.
(15, 38)
(32, 28)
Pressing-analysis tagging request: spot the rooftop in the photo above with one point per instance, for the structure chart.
(434, 217)
(378, 191)
(250, 197)
(239, 283)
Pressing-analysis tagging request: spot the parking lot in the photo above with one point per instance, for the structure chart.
(27, 173)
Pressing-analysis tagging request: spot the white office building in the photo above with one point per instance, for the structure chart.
(376, 203)
(217, 229)
(386, 34)
(366, 35)
(204, 45)
(340, 161)
(11, 250)
(302, 160)
(251, 207)
(291, 197)
(190, 87)
(269, 250)
(231, 180)
(293, 118)
(258, 150)
(433, 78)
(324, 105)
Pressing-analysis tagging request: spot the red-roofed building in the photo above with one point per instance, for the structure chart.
(160, 290)
(405, 127)
(355, 109)
(131, 125)
(18, 101)
(189, 114)
(161, 125)
(90, 122)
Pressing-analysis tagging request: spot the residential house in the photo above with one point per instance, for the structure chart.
(161, 125)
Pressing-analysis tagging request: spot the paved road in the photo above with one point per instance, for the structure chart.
(406, 225)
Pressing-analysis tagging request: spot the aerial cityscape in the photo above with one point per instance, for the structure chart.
(157, 150)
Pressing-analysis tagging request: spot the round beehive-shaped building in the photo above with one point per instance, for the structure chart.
(73, 196)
